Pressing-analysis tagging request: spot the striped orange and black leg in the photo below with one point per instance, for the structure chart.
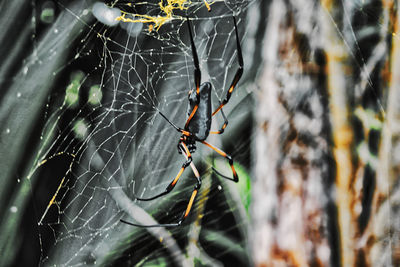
(197, 75)
(171, 186)
(235, 177)
(220, 131)
(194, 194)
(197, 80)
(182, 131)
(238, 74)
(184, 215)
(189, 206)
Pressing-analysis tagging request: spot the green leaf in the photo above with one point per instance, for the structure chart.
(221, 240)
(158, 262)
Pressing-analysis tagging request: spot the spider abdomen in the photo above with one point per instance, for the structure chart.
(200, 124)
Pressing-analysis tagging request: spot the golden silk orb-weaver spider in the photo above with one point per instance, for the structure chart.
(197, 128)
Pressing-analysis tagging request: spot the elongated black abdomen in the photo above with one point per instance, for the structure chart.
(200, 124)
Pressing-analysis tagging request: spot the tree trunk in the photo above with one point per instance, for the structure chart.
(325, 179)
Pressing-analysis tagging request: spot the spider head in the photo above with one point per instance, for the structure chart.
(189, 142)
(192, 147)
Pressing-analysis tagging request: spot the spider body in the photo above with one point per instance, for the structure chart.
(200, 124)
(198, 127)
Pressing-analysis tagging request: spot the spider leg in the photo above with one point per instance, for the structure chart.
(238, 74)
(229, 158)
(191, 200)
(171, 186)
(186, 133)
(220, 131)
(197, 75)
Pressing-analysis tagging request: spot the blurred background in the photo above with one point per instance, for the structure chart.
(313, 131)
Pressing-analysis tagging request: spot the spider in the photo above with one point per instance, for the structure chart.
(197, 128)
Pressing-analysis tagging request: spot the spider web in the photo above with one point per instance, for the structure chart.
(103, 140)
(97, 84)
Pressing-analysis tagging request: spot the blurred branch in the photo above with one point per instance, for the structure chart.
(386, 251)
(293, 224)
(319, 115)
(337, 67)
